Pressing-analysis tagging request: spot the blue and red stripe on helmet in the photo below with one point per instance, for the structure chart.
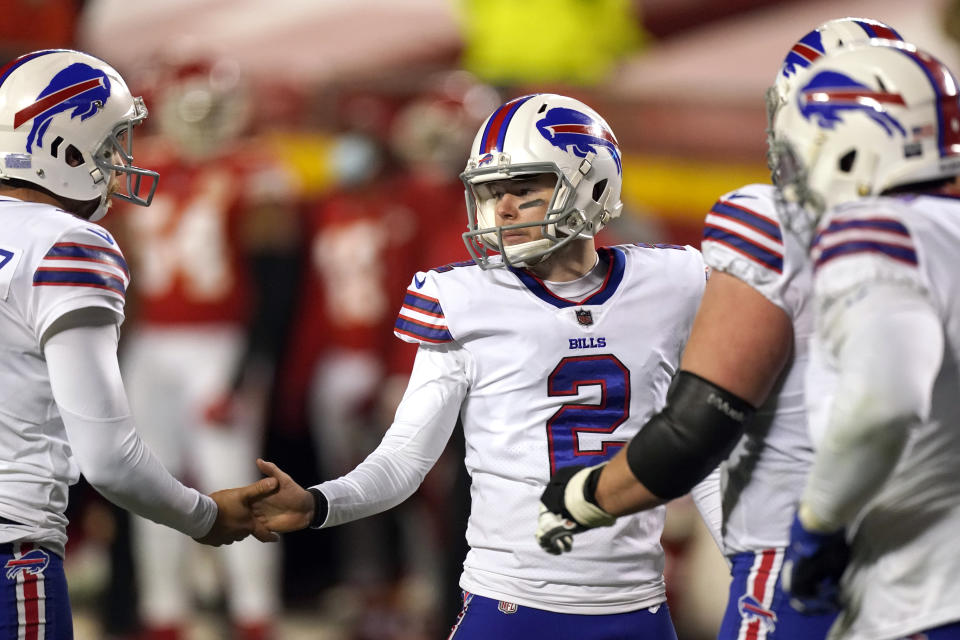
(13, 65)
(947, 100)
(878, 30)
(496, 130)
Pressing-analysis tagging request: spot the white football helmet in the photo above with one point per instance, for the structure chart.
(542, 133)
(864, 120)
(66, 127)
(830, 36)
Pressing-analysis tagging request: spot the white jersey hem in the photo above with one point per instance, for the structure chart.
(586, 604)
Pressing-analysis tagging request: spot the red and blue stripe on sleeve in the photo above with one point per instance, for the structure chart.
(421, 318)
(751, 234)
(72, 264)
(880, 236)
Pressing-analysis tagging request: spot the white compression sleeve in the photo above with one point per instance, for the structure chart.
(88, 390)
(709, 502)
(411, 446)
(888, 343)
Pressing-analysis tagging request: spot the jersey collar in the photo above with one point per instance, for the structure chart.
(611, 256)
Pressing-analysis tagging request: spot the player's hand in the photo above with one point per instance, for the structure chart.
(812, 567)
(554, 532)
(235, 519)
(289, 508)
(567, 506)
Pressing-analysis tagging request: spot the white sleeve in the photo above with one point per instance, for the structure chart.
(887, 341)
(742, 236)
(87, 387)
(707, 498)
(411, 446)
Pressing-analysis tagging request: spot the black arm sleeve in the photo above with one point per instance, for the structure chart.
(695, 431)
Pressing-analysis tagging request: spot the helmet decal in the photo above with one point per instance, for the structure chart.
(805, 51)
(838, 32)
(79, 87)
(496, 129)
(576, 132)
(947, 104)
(52, 96)
(829, 93)
(15, 64)
(878, 30)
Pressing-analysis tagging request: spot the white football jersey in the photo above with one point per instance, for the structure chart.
(763, 478)
(50, 263)
(553, 383)
(903, 576)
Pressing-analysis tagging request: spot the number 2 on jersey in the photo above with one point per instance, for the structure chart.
(571, 421)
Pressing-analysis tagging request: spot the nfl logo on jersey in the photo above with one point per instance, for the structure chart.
(585, 317)
(507, 607)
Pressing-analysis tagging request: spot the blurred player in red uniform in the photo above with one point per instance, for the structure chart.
(211, 265)
(358, 243)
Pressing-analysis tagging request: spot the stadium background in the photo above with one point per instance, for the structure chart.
(680, 81)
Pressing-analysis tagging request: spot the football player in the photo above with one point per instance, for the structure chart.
(65, 152)
(550, 351)
(746, 357)
(869, 144)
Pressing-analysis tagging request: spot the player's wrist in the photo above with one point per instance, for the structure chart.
(317, 508)
(581, 501)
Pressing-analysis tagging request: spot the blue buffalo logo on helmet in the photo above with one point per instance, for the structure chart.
(30, 563)
(79, 87)
(805, 51)
(751, 610)
(485, 160)
(577, 133)
(829, 94)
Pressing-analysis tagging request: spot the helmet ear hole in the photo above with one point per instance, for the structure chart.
(73, 156)
(846, 161)
(598, 189)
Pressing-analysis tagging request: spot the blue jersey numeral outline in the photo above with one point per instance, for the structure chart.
(5, 257)
(572, 419)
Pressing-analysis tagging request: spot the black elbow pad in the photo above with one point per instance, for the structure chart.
(696, 430)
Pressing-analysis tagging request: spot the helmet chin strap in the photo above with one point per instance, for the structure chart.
(101, 209)
(517, 255)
